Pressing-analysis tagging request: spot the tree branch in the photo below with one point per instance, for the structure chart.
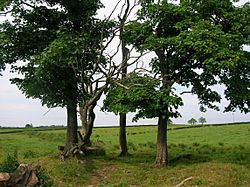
(185, 92)
(182, 182)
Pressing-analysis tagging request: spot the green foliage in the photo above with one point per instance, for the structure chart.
(141, 94)
(202, 120)
(44, 179)
(29, 154)
(58, 45)
(192, 121)
(198, 44)
(28, 126)
(4, 4)
(10, 163)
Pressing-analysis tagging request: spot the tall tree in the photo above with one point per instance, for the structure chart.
(125, 54)
(198, 44)
(44, 34)
(75, 44)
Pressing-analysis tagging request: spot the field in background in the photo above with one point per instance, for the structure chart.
(220, 156)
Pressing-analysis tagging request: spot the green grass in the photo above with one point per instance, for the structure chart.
(220, 156)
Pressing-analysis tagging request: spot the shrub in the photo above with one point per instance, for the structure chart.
(44, 179)
(10, 163)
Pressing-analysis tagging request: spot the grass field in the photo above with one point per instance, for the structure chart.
(220, 156)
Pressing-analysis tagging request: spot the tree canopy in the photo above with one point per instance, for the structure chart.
(141, 94)
(192, 121)
(49, 35)
(202, 120)
(58, 43)
(197, 44)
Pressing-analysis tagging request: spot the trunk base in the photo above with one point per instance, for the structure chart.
(80, 152)
(160, 163)
(72, 150)
(123, 154)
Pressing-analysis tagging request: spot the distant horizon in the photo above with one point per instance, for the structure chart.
(114, 126)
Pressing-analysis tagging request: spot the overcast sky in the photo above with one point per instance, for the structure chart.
(16, 110)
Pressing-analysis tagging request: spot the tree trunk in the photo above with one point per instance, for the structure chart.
(125, 57)
(162, 153)
(122, 135)
(88, 119)
(71, 137)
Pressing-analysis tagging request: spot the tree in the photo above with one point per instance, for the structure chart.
(3, 40)
(2, 65)
(41, 34)
(28, 126)
(125, 51)
(192, 121)
(198, 44)
(202, 120)
(69, 67)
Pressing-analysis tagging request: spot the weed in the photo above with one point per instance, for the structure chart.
(116, 147)
(151, 144)
(241, 147)
(220, 144)
(197, 182)
(10, 163)
(122, 183)
(195, 144)
(181, 146)
(29, 154)
(44, 179)
(132, 146)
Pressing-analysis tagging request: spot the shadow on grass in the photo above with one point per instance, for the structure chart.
(182, 154)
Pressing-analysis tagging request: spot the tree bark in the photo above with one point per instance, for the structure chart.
(125, 57)
(122, 135)
(162, 153)
(71, 137)
(88, 119)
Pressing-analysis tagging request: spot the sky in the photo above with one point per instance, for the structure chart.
(17, 111)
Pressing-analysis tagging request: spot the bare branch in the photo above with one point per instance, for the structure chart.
(121, 85)
(114, 9)
(185, 92)
(27, 4)
(5, 13)
(182, 182)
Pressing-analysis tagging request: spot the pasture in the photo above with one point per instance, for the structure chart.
(220, 156)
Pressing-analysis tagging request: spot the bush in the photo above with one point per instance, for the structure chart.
(44, 179)
(10, 163)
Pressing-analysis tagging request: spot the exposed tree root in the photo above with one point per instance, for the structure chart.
(80, 152)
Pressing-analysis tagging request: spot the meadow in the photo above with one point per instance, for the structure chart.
(219, 156)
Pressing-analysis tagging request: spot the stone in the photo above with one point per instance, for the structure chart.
(24, 176)
(33, 180)
(4, 177)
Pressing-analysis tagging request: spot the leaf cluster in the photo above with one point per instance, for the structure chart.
(199, 44)
(60, 41)
(143, 95)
